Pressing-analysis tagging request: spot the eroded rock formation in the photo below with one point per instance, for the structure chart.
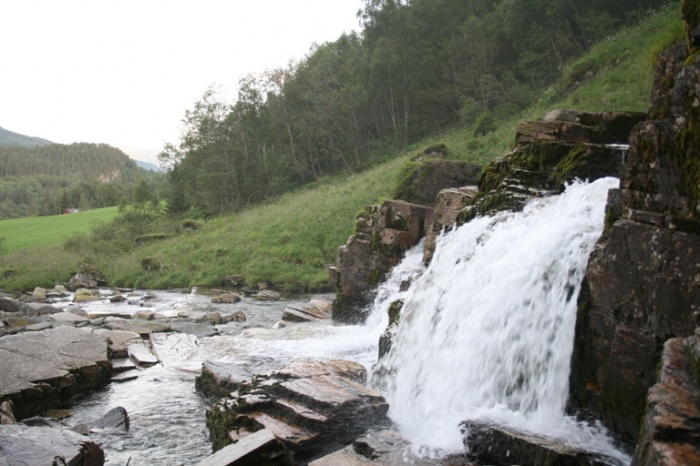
(643, 281)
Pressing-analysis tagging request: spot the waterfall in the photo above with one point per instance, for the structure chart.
(487, 330)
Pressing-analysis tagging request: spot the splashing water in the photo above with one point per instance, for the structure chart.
(486, 333)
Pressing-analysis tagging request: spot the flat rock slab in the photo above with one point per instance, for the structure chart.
(171, 348)
(48, 354)
(142, 355)
(249, 451)
(37, 446)
(119, 341)
(221, 378)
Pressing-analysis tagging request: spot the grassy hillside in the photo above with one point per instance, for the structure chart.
(37, 232)
(291, 242)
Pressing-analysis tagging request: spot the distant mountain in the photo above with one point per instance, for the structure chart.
(12, 139)
(147, 166)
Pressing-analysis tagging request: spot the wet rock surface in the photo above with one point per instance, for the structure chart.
(490, 444)
(38, 446)
(312, 407)
(45, 368)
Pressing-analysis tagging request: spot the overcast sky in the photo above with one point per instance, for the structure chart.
(123, 72)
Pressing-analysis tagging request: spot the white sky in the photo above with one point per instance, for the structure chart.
(123, 72)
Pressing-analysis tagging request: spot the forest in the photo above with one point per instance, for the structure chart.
(45, 180)
(417, 67)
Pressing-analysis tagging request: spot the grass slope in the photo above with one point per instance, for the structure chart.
(291, 242)
(36, 232)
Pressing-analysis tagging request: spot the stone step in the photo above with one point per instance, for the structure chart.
(283, 430)
(248, 451)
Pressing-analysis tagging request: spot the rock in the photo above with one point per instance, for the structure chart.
(81, 281)
(9, 305)
(431, 176)
(449, 204)
(7, 416)
(119, 341)
(238, 316)
(221, 378)
(68, 318)
(382, 234)
(671, 425)
(143, 315)
(93, 272)
(310, 406)
(227, 298)
(501, 445)
(124, 377)
(577, 126)
(538, 169)
(117, 298)
(43, 369)
(141, 355)
(83, 295)
(39, 295)
(38, 326)
(258, 448)
(39, 309)
(116, 420)
(171, 348)
(268, 295)
(314, 310)
(19, 322)
(385, 448)
(25, 445)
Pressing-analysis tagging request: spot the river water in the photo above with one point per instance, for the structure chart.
(486, 333)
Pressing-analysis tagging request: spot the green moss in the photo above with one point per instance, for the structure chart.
(375, 242)
(220, 422)
(691, 14)
(405, 181)
(376, 276)
(395, 312)
(571, 164)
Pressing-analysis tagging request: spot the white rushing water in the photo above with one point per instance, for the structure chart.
(486, 333)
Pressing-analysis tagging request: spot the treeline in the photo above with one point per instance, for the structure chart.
(47, 180)
(417, 66)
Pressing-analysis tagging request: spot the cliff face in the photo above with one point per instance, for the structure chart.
(643, 280)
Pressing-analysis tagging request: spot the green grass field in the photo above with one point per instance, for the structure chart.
(33, 232)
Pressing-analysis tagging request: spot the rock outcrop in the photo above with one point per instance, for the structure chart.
(310, 407)
(44, 369)
(382, 234)
(671, 427)
(643, 281)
